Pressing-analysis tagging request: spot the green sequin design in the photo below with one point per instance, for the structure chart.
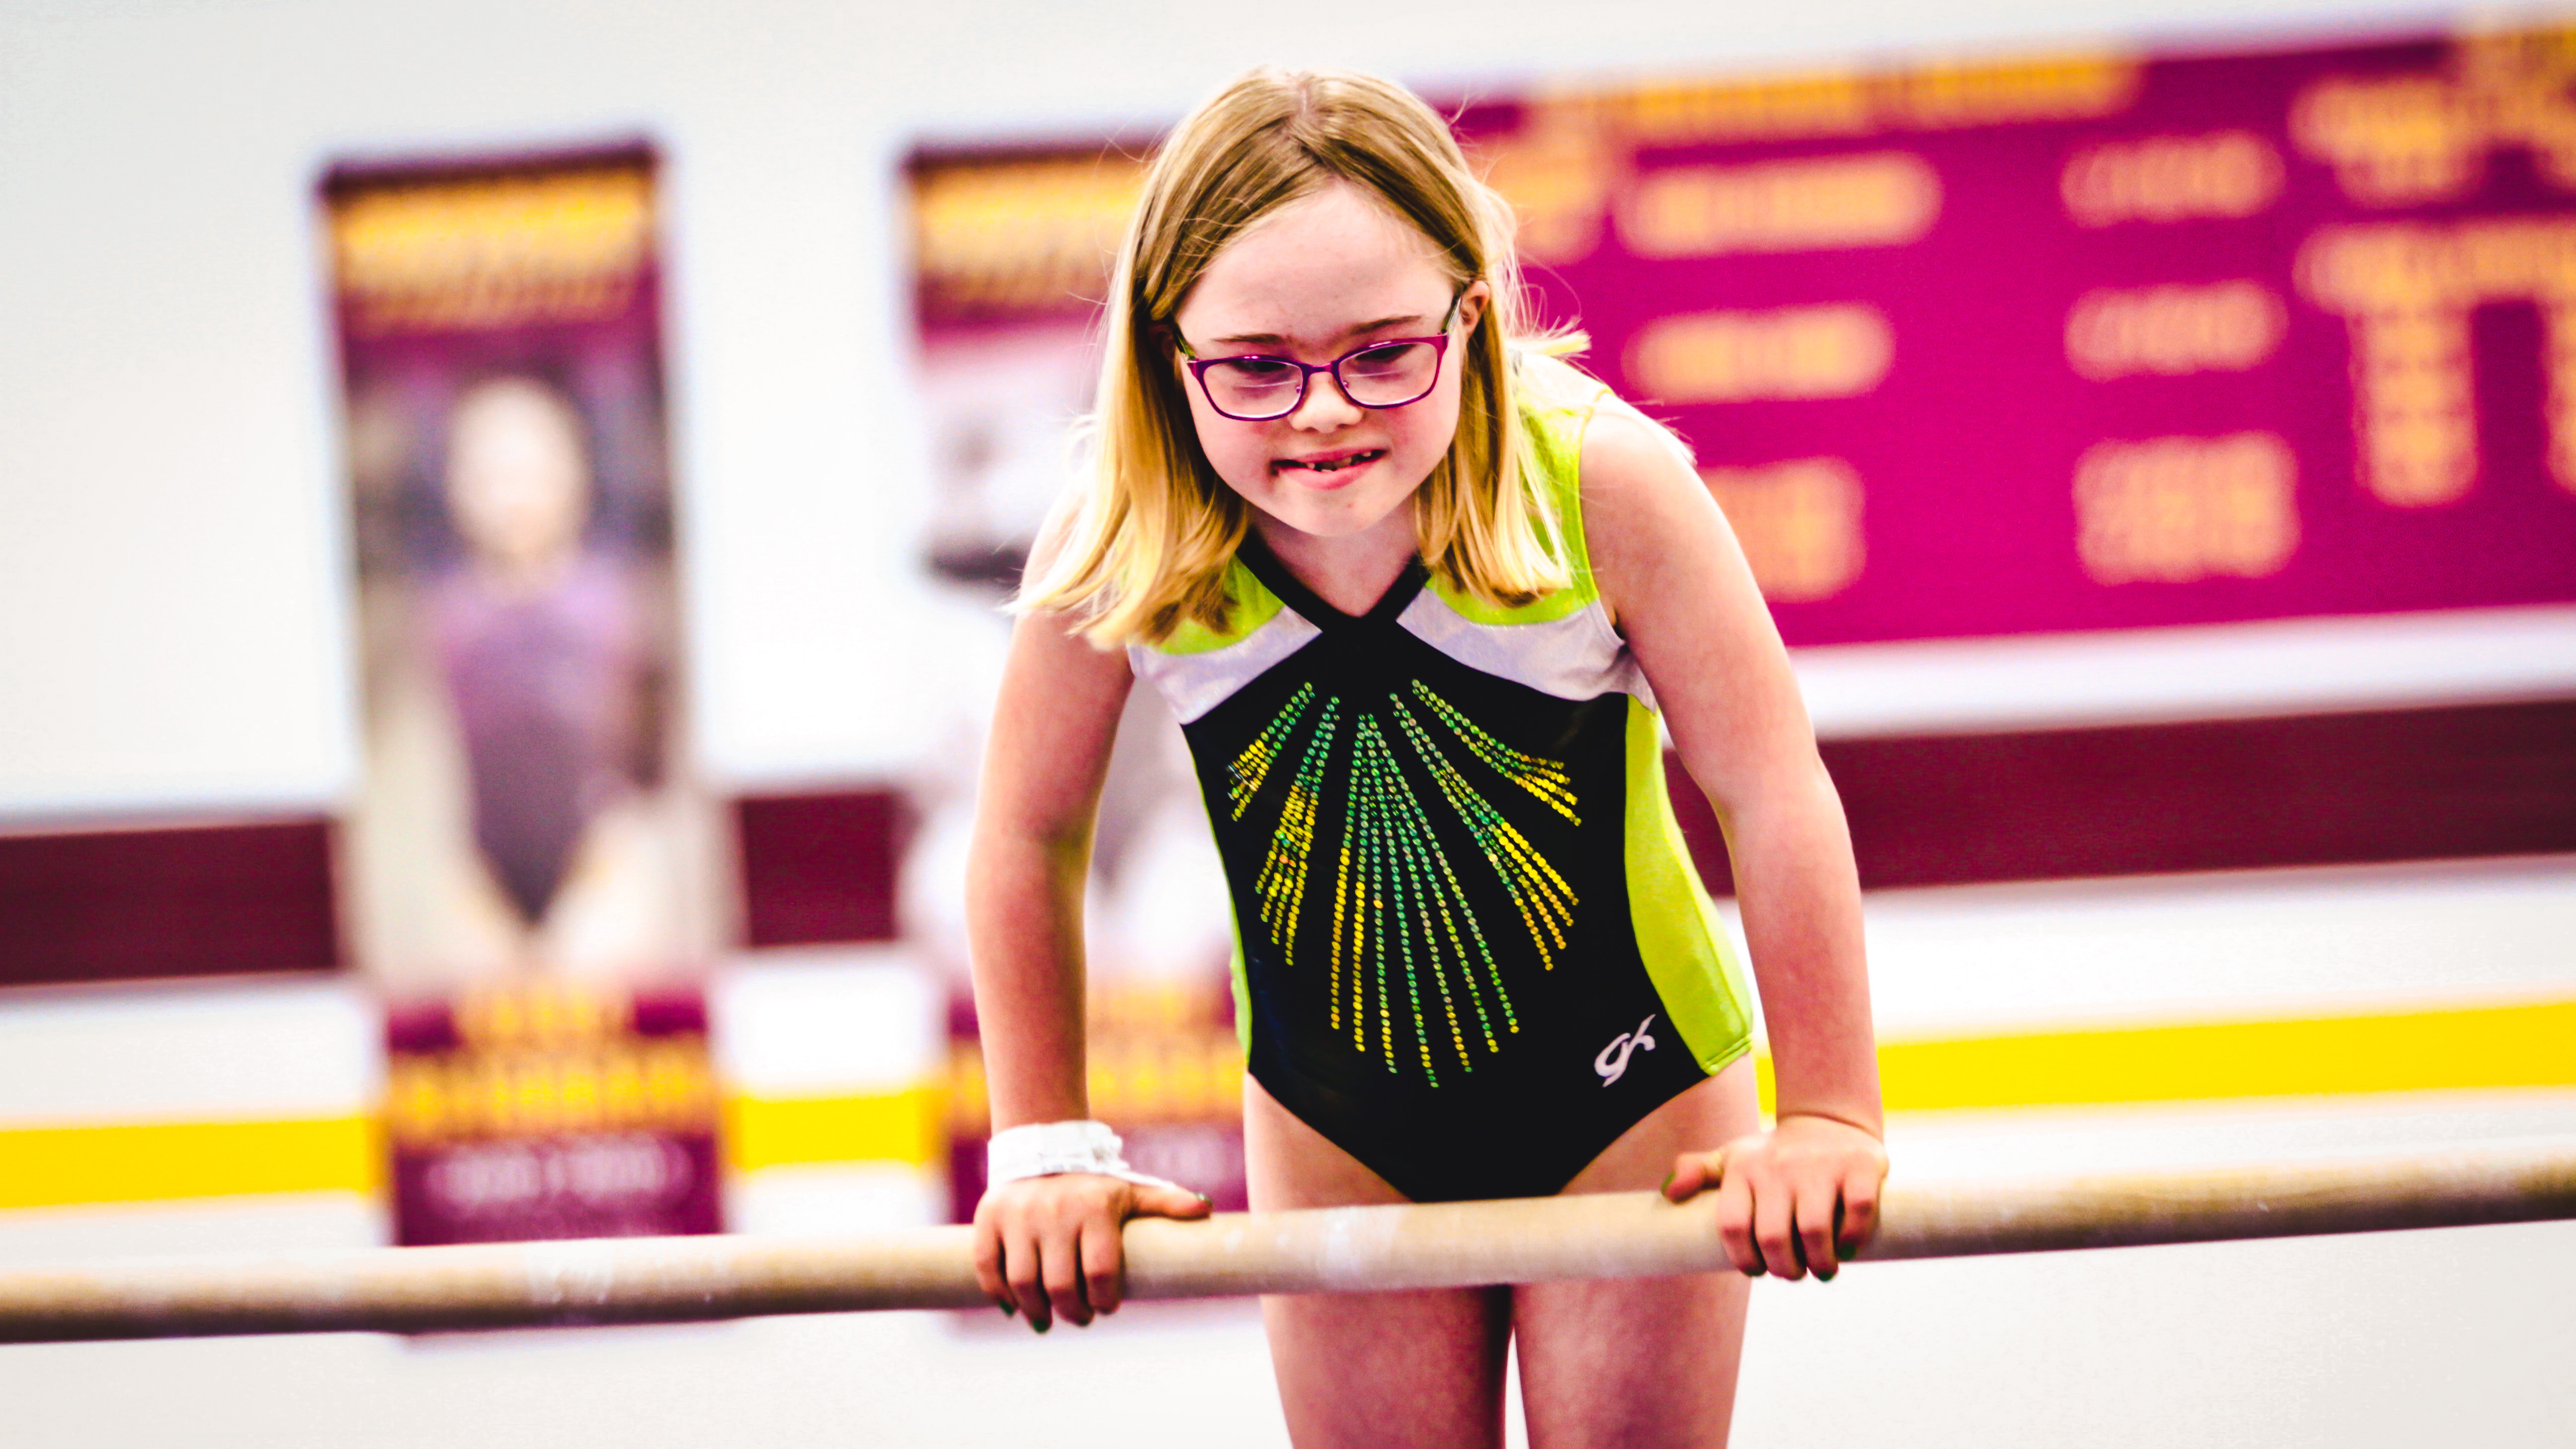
(1444, 892)
(1545, 901)
(1406, 942)
(1544, 778)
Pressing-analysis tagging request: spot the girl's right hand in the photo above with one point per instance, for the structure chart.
(1049, 1247)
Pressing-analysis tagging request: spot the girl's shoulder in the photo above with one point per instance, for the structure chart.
(1580, 430)
(1587, 441)
(1556, 401)
(1595, 457)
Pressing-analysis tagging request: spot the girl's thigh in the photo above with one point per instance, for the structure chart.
(1397, 1370)
(1645, 1361)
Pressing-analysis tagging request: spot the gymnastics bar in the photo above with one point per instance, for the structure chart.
(1612, 1235)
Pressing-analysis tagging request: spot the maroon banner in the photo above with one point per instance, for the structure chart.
(2082, 343)
(552, 1113)
(1010, 248)
(2094, 343)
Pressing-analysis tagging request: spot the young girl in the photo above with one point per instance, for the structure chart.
(1417, 592)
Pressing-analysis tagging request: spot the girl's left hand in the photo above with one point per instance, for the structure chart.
(1799, 1198)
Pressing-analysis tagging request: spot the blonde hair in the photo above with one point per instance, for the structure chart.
(1146, 549)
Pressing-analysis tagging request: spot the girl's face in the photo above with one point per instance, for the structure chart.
(1319, 278)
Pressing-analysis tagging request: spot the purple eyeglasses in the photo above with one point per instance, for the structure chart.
(1388, 373)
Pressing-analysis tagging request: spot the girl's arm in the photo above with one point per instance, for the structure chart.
(1049, 1246)
(1053, 724)
(1677, 583)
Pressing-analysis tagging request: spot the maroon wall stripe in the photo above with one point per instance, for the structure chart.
(205, 900)
(2240, 794)
(819, 868)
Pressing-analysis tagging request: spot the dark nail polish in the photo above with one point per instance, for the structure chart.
(1007, 1309)
(1756, 1271)
(1668, 1181)
(1824, 1277)
(1846, 1251)
(1041, 1327)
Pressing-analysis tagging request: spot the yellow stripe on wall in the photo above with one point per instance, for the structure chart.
(169, 1161)
(2476, 1048)
(899, 1126)
(161, 1161)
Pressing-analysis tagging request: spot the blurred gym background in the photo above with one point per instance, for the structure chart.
(503, 510)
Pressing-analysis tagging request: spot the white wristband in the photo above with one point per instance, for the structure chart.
(1045, 1149)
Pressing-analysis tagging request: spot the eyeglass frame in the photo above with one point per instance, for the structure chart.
(1439, 344)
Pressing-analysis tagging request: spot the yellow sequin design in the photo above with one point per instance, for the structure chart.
(1408, 950)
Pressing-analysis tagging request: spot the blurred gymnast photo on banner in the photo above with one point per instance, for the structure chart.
(529, 809)
(534, 871)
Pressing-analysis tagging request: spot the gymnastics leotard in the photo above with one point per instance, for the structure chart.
(1470, 947)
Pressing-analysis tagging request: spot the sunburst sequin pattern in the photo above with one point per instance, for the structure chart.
(1282, 883)
(1243, 778)
(1412, 971)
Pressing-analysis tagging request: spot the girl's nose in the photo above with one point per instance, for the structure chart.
(1325, 407)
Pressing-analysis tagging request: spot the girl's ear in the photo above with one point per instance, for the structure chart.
(1168, 351)
(1471, 306)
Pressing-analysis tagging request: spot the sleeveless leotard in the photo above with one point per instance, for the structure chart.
(1471, 950)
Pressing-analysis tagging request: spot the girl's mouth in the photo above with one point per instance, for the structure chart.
(1328, 465)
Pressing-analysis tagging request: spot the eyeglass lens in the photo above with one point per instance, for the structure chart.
(1262, 387)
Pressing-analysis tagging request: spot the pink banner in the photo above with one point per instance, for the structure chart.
(2094, 343)
(2087, 342)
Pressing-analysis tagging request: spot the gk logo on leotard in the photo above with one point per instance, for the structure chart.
(1612, 1064)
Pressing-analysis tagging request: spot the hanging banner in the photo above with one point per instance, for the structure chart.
(1011, 248)
(2094, 342)
(527, 811)
(2080, 343)
(526, 1113)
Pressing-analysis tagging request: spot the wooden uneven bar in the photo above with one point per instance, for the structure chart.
(637, 1280)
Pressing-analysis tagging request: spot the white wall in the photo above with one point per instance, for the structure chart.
(174, 626)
